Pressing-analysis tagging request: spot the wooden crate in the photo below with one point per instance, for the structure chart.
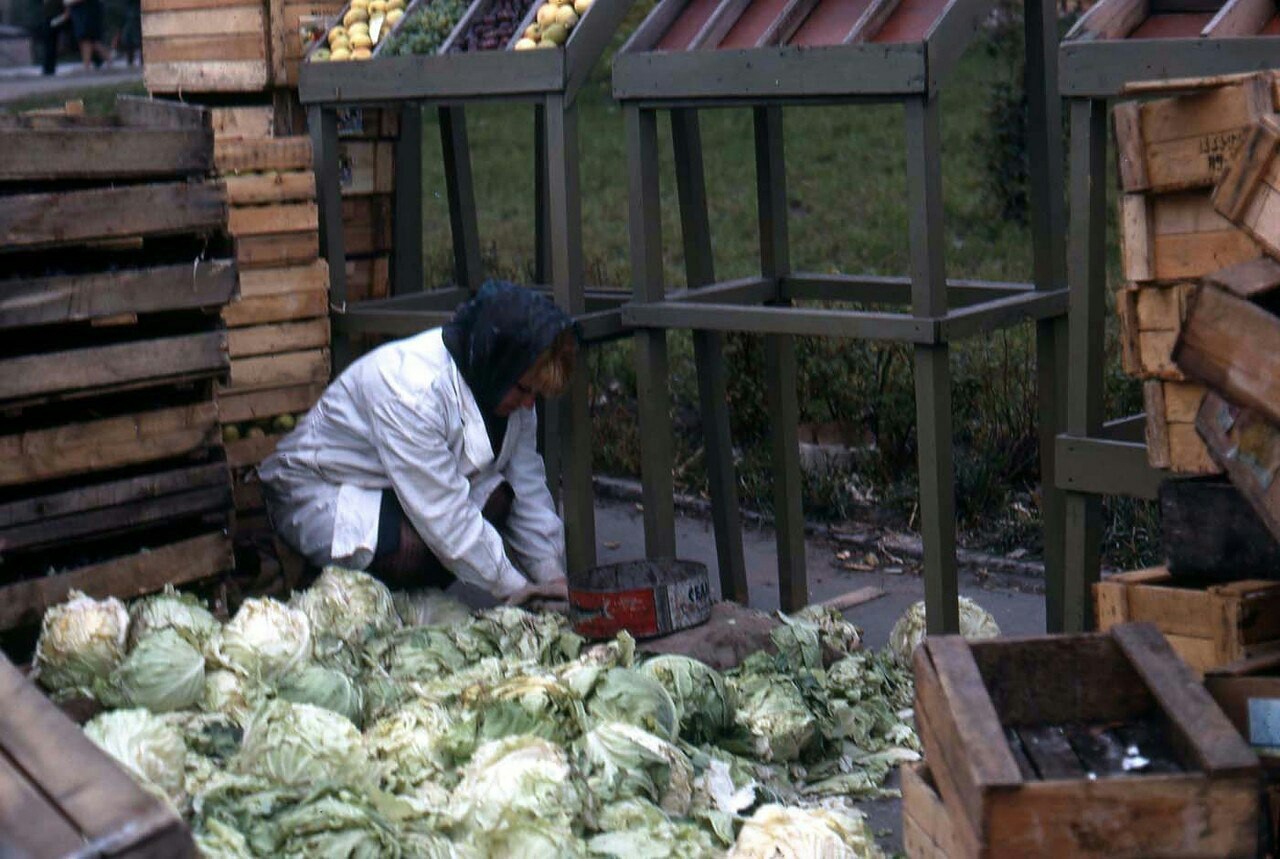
(233, 123)
(368, 277)
(927, 830)
(1249, 193)
(371, 123)
(1247, 446)
(1172, 440)
(294, 25)
(1188, 141)
(366, 167)
(367, 224)
(1150, 318)
(1210, 531)
(210, 46)
(63, 796)
(1025, 739)
(1207, 626)
(1174, 237)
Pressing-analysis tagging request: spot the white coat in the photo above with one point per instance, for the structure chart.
(402, 417)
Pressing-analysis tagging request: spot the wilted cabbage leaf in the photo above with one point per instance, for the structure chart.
(772, 711)
(301, 745)
(975, 623)
(324, 687)
(80, 641)
(336, 824)
(626, 695)
(778, 832)
(582, 673)
(416, 654)
(169, 609)
(515, 782)
(410, 746)
(218, 840)
(532, 704)
(431, 607)
(638, 829)
(622, 761)
(163, 672)
(151, 750)
(264, 640)
(700, 694)
(228, 693)
(517, 634)
(347, 605)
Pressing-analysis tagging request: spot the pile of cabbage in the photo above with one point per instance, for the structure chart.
(348, 722)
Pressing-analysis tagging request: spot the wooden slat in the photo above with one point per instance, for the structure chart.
(264, 220)
(107, 443)
(161, 113)
(1179, 236)
(1050, 752)
(1199, 726)
(74, 298)
(177, 564)
(251, 451)
(282, 337)
(1241, 183)
(1241, 18)
(278, 371)
(1247, 445)
(1248, 280)
(1110, 19)
(33, 826)
(235, 406)
(922, 806)
(279, 153)
(260, 282)
(252, 189)
(366, 167)
(111, 367)
(277, 308)
(29, 221)
(122, 153)
(1110, 604)
(206, 76)
(1177, 611)
(205, 22)
(1234, 346)
(229, 122)
(198, 48)
(274, 251)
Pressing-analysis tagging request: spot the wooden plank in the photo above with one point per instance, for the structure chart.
(1077, 678)
(1241, 18)
(1248, 280)
(277, 308)
(221, 76)
(924, 809)
(73, 298)
(366, 167)
(158, 113)
(1234, 346)
(277, 250)
(30, 221)
(1130, 147)
(265, 220)
(367, 224)
(251, 451)
(75, 371)
(1110, 19)
(251, 189)
(224, 21)
(106, 443)
(231, 122)
(119, 153)
(1110, 604)
(1135, 237)
(1242, 182)
(32, 825)
(279, 371)
(1100, 750)
(950, 771)
(259, 282)
(24, 603)
(1157, 425)
(1050, 752)
(1176, 611)
(1200, 728)
(283, 337)
(1247, 445)
(196, 48)
(278, 153)
(235, 406)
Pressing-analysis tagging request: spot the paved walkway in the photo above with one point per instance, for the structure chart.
(23, 82)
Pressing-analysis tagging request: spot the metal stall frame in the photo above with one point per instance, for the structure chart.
(854, 70)
(547, 80)
(1099, 61)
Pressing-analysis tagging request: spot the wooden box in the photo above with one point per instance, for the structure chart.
(1150, 318)
(211, 46)
(1188, 141)
(1172, 440)
(1247, 445)
(927, 830)
(1208, 626)
(294, 24)
(1172, 237)
(1027, 740)
(1248, 691)
(63, 796)
(367, 226)
(1210, 531)
(369, 277)
(366, 167)
(1249, 193)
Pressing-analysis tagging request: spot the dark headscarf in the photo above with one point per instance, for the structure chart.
(495, 338)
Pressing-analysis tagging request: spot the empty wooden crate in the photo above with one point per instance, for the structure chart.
(1082, 746)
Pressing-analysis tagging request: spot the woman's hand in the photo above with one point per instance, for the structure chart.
(556, 590)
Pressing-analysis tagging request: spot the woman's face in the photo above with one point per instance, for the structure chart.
(521, 396)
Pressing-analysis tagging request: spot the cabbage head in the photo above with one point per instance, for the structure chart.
(410, 746)
(347, 605)
(324, 687)
(531, 839)
(778, 832)
(975, 623)
(81, 641)
(622, 761)
(228, 693)
(772, 711)
(152, 750)
(638, 829)
(163, 672)
(169, 609)
(582, 674)
(517, 634)
(430, 607)
(419, 653)
(338, 824)
(627, 695)
(525, 704)
(265, 640)
(218, 840)
(513, 782)
(700, 694)
(300, 745)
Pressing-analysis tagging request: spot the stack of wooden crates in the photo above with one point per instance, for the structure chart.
(115, 269)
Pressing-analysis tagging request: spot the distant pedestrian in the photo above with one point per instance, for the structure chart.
(54, 21)
(129, 39)
(86, 26)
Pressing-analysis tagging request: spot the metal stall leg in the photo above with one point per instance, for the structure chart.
(467, 270)
(645, 222)
(565, 224)
(780, 360)
(708, 351)
(1048, 217)
(1087, 275)
(323, 123)
(406, 264)
(932, 370)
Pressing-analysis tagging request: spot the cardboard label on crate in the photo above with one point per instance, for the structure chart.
(689, 603)
(1264, 722)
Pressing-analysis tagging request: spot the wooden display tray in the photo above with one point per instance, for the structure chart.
(794, 48)
(467, 74)
(1017, 734)
(1207, 626)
